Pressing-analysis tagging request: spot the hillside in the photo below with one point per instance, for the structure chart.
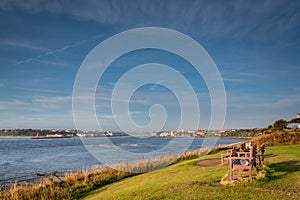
(186, 180)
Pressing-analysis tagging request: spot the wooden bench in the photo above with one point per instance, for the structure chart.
(260, 155)
(225, 157)
(244, 160)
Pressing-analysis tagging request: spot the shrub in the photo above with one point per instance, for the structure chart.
(278, 137)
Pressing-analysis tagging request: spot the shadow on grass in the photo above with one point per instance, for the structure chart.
(270, 155)
(286, 167)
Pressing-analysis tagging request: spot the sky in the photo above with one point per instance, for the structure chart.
(254, 44)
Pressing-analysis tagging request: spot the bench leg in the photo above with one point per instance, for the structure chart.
(231, 171)
(222, 160)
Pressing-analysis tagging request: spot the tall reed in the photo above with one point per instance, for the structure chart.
(74, 185)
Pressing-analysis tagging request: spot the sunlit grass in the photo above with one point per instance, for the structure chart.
(74, 184)
(182, 179)
(185, 180)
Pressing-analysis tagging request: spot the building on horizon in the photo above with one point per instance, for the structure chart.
(295, 122)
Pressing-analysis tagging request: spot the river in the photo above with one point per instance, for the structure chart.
(25, 159)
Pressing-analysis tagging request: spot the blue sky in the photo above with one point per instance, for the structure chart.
(255, 45)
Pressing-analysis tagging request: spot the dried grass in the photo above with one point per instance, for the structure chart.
(279, 137)
(73, 185)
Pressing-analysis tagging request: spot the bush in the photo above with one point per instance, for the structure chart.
(280, 124)
(278, 137)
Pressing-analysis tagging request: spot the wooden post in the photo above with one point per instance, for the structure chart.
(250, 170)
(231, 172)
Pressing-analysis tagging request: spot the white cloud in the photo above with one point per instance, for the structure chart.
(31, 59)
(234, 80)
(241, 74)
(51, 100)
(38, 104)
(239, 77)
(249, 101)
(39, 112)
(211, 17)
(254, 110)
(14, 104)
(24, 44)
(54, 63)
(27, 89)
(38, 120)
(297, 89)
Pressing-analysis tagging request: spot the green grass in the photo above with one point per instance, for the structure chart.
(185, 180)
(75, 184)
(181, 180)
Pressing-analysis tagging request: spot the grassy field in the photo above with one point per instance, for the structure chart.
(180, 180)
(185, 180)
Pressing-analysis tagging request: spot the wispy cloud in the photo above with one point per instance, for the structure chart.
(254, 110)
(54, 63)
(245, 30)
(37, 120)
(30, 89)
(55, 99)
(258, 102)
(58, 50)
(234, 80)
(25, 45)
(37, 104)
(108, 100)
(231, 18)
(241, 74)
(239, 77)
(156, 84)
(14, 104)
(297, 89)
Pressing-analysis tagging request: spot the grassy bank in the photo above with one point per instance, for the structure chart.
(186, 180)
(181, 179)
(75, 185)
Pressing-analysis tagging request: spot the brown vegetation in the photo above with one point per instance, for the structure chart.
(74, 185)
(71, 186)
(278, 137)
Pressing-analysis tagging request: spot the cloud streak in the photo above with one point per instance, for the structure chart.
(25, 45)
(231, 18)
(257, 39)
(75, 44)
(28, 89)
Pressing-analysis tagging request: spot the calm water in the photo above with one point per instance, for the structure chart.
(27, 159)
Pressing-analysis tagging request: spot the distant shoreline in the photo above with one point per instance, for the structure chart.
(16, 137)
(33, 137)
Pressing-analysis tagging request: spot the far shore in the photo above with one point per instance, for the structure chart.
(4, 137)
(16, 136)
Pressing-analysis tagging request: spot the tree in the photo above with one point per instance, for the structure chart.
(270, 126)
(280, 124)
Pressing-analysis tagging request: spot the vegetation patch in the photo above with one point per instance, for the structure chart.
(279, 179)
(187, 176)
(76, 184)
(278, 138)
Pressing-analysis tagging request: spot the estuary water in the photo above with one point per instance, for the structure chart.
(29, 159)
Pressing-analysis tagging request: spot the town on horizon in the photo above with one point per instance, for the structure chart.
(293, 123)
